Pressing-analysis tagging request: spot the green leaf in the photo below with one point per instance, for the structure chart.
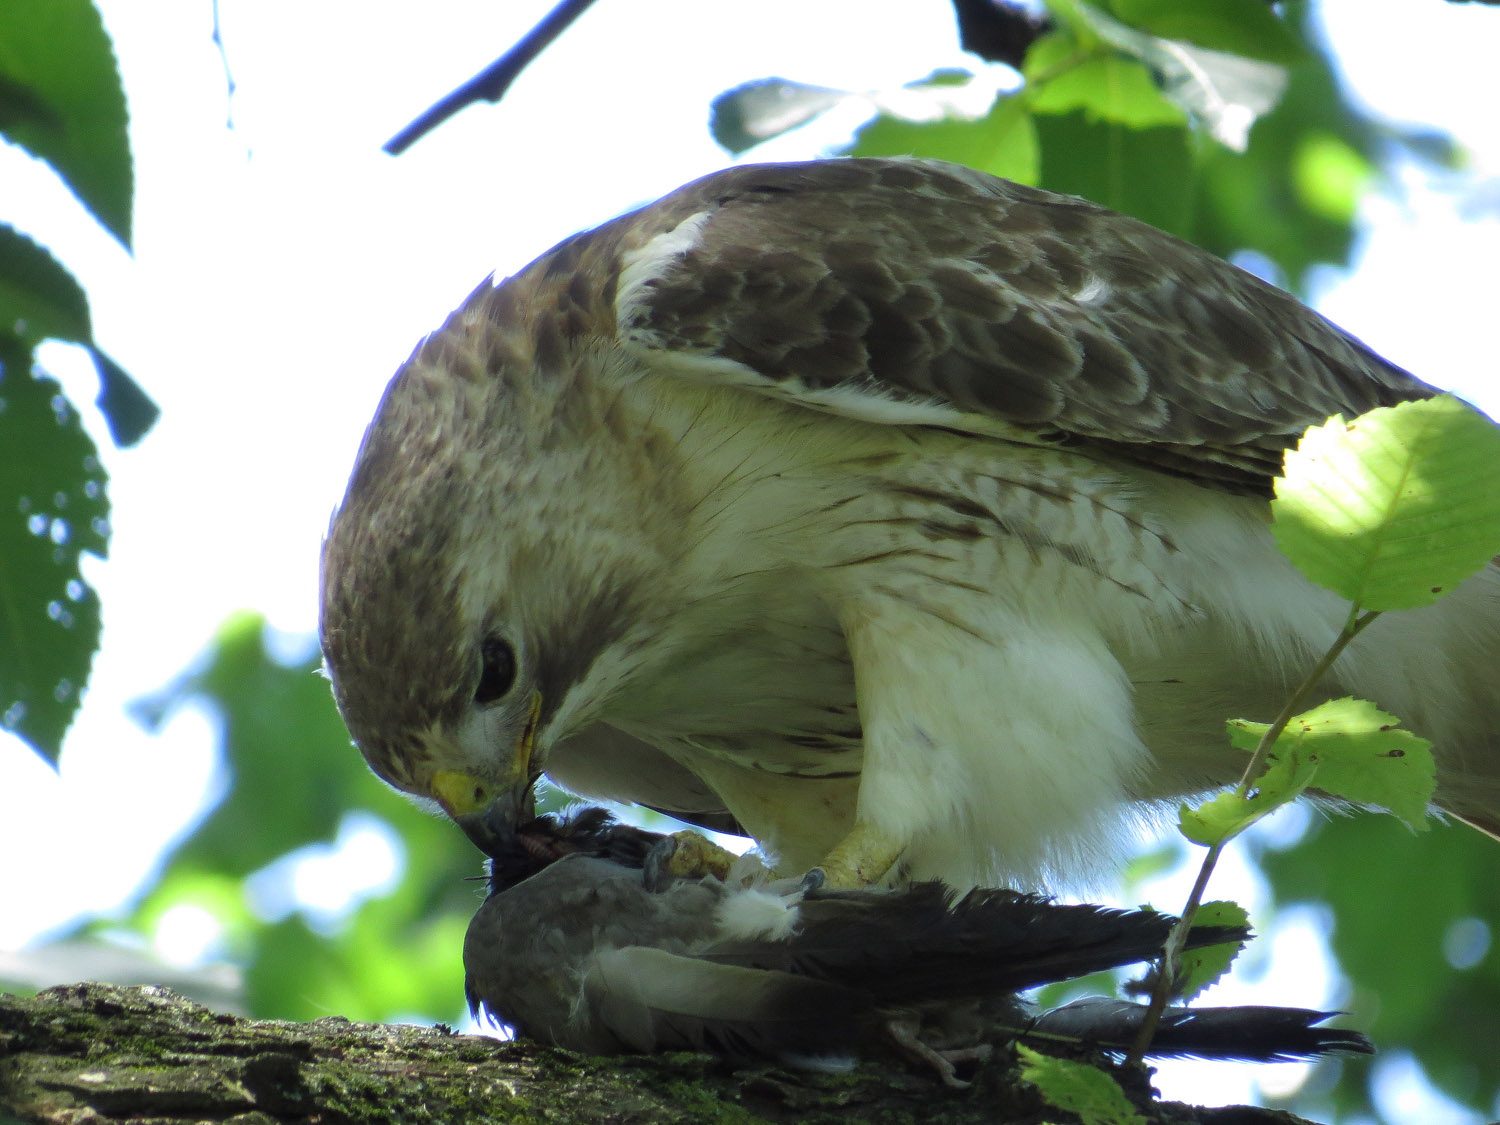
(1240, 27)
(754, 112)
(126, 407)
(1289, 771)
(1393, 509)
(52, 509)
(1331, 176)
(1106, 87)
(1200, 968)
(1360, 753)
(1227, 92)
(1078, 1088)
(61, 99)
(1003, 143)
(39, 299)
(1147, 173)
(1221, 818)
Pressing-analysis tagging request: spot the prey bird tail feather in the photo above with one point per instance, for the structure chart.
(924, 942)
(1246, 1033)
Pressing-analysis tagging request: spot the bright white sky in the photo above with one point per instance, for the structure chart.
(284, 268)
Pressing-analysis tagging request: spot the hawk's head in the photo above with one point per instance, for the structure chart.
(468, 620)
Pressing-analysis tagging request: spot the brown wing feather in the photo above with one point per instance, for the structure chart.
(925, 283)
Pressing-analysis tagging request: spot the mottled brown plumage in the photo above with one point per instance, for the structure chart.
(936, 284)
(870, 496)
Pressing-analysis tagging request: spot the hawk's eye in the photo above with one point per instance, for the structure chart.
(497, 669)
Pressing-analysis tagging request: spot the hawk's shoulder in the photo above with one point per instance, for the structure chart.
(919, 292)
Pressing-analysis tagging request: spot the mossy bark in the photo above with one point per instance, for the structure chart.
(104, 1053)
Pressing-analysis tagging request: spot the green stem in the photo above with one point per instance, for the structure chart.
(1352, 628)
(1171, 960)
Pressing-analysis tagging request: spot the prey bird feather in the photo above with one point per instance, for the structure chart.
(886, 510)
(583, 943)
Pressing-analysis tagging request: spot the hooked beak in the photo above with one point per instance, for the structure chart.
(487, 815)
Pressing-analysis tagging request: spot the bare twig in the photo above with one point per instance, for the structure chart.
(491, 83)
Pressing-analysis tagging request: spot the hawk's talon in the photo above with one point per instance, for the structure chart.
(655, 872)
(813, 880)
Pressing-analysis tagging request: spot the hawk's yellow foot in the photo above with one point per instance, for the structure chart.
(695, 856)
(861, 858)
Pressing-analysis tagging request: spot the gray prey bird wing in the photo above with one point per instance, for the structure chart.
(581, 944)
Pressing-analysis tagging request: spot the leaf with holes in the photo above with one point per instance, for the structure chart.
(55, 510)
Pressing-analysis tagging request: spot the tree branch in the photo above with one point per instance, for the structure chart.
(999, 30)
(491, 83)
(105, 1053)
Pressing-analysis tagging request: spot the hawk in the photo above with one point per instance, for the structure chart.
(899, 514)
(579, 946)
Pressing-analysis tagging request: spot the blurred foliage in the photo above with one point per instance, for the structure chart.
(1094, 117)
(61, 100)
(1404, 910)
(293, 778)
(1252, 147)
(1217, 122)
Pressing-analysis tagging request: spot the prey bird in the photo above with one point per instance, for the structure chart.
(889, 512)
(586, 942)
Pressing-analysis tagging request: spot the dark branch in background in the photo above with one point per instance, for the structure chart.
(490, 84)
(229, 83)
(999, 30)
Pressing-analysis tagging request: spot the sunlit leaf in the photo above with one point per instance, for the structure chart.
(1224, 817)
(758, 111)
(1394, 509)
(1331, 176)
(1105, 87)
(1360, 754)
